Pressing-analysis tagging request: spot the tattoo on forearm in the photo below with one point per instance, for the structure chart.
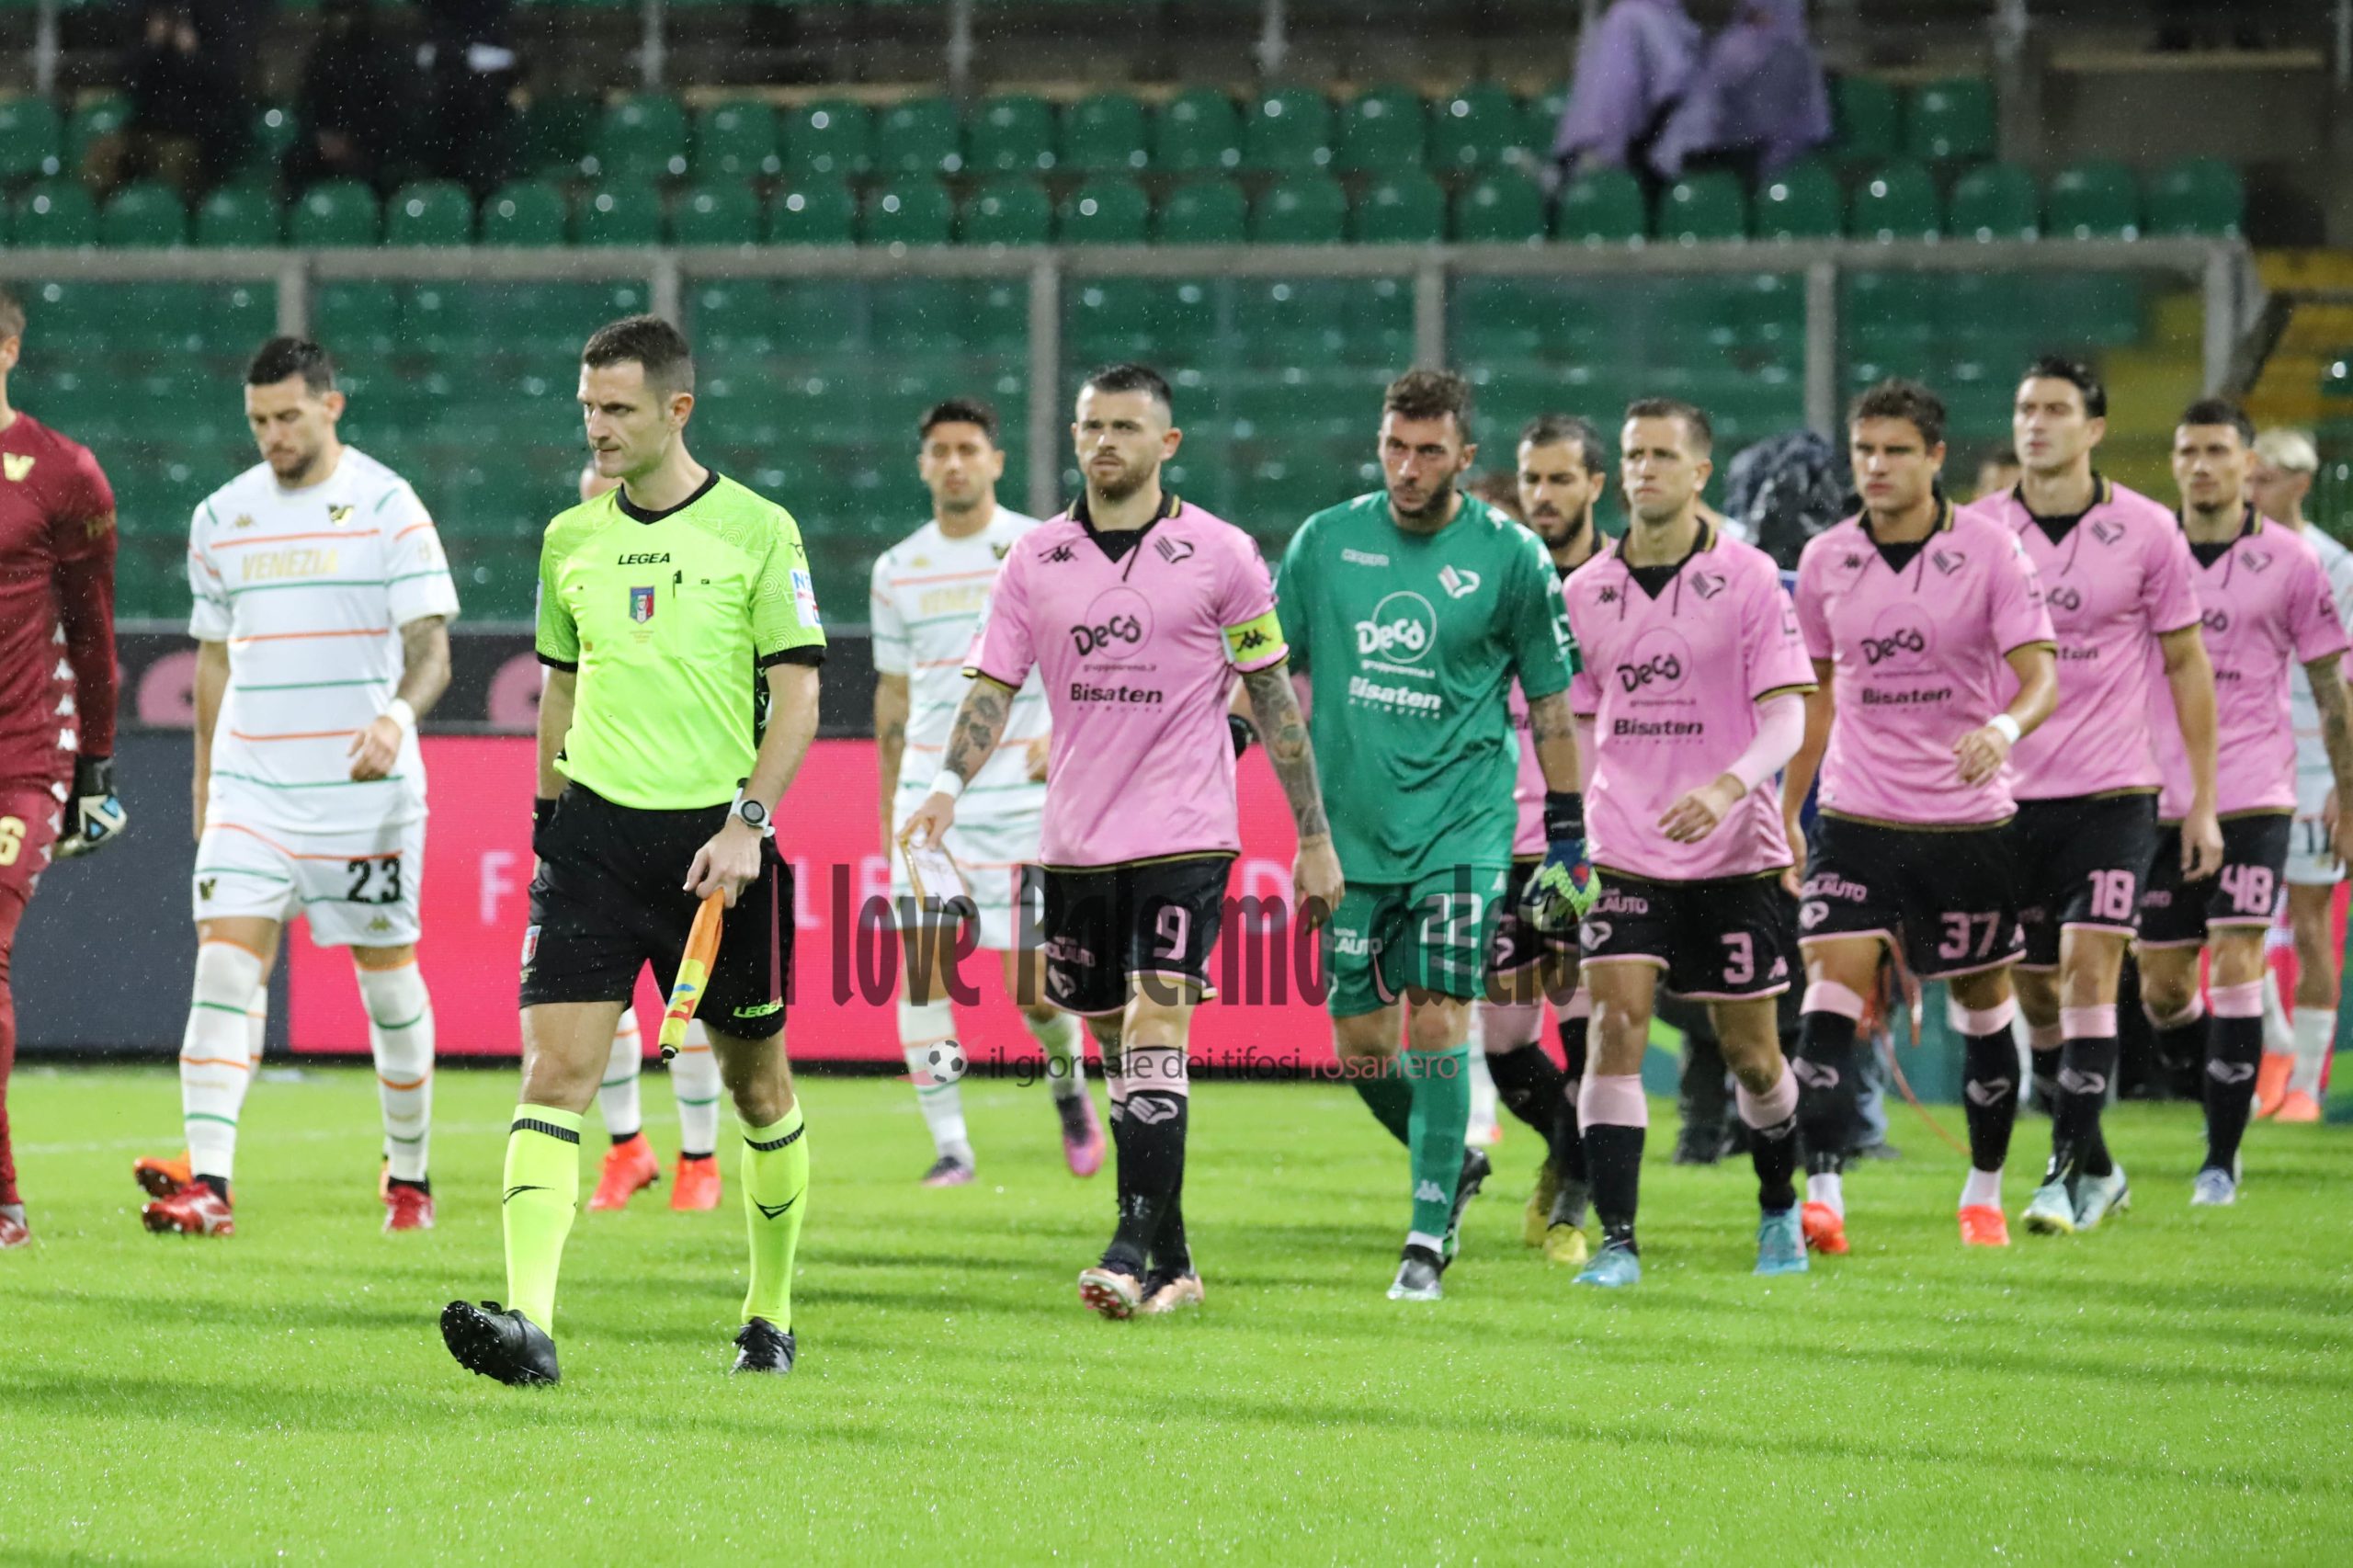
(2335, 726)
(980, 720)
(1549, 722)
(1284, 734)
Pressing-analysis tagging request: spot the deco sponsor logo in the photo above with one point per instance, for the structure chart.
(1403, 628)
(1118, 621)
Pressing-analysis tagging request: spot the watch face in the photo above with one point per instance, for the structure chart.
(753, 811)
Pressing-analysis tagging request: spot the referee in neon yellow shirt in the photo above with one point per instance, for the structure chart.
(681, 641)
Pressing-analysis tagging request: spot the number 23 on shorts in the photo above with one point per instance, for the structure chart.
(375, 879)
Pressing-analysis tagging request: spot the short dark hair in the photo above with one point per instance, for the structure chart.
(1430, 395)
(960, 410)
(1128, 377)
(652, 342)
(1552, 429)
(1896, 398)
(1695, 418)
(284, 357)
(12, 314)
(1500, 489)
(2220, 411)
(2077, 374)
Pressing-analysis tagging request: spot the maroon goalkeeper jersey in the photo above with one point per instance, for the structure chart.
(57, 544)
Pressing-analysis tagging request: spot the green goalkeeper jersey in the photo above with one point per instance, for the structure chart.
(1411, 643)
(670, 619)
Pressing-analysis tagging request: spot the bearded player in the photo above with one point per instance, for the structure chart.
(2267, 609)
(57, 547)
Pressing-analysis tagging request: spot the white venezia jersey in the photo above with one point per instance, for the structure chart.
(2312, 760)
(928, 593)
(309, 589)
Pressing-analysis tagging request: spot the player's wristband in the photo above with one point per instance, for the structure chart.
(947, 784)
(1564, 814)
(2007, 725)
(93, 776)
(399, 711)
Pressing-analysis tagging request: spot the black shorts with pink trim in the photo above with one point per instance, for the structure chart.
(1725, 939)
(2175, 914)
(1156, 920)
(1517, 943)
(2082, 860)
(1945, 898)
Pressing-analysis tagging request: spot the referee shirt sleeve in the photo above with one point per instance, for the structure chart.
(557, 641)
(785, 625)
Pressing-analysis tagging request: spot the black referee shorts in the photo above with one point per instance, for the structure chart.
(608, 901)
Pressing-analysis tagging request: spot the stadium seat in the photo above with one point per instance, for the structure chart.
(618, 214)
(1701, 208)
(1898, 202)
(1383, 129)
(356, 320)
(1012, 135)
(236, 216)
(1105, 134)
(1407, 208)
(1502, 208)
(643, 137)
(1800, 203)
(718, 213)
(1888, 319)
(1307, 209)
(91, 119)
(919, 136)
(527, 213)
(1475, 129)
(337, 213)
(1994, 202)
(2197, 196)
(29, 133)
(1950, 119)
(274, 130)
(736, 139)
(1867, 119)
(429, 212)
(556, 131)
(1539, 121)
(1108, 318)
(1197, 133)
(831, 139)
(907, 212)
(145, 215)
(817, 212)
(2094, 201)
(1107, 212)
(1288, 131)
(1010, 212)
(1203, 212)
(1602, 207)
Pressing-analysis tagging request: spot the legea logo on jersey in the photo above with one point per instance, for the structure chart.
(1402, 628)
(1118, 620)
(1656, 666)
(1899, 636)
(640, 604)
(1458, 583)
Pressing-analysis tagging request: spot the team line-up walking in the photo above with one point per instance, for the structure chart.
(1525, 763)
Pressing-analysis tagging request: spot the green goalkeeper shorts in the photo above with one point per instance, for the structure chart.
(1429, 934)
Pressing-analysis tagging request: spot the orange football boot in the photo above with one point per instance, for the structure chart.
(1982, 1225)
(694, 1183)
(629, 1168)
(160, 1176)
(1826, 1229)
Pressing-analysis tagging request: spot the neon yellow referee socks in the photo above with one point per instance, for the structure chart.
(543, 1191)
(775, 1179)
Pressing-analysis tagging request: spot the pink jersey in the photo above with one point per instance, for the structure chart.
(1527, 790)
(2114, 583)
(2267, 608)
(1138, 651)
(1673, 684)
(1917, 651)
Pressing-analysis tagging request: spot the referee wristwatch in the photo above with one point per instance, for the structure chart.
(752, 816)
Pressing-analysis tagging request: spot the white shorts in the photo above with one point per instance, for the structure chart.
(357, 888)
(991, 853)
(2311, 862)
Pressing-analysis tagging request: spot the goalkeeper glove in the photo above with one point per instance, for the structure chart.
(93, 815)
(1243, 732)
(1564, 887)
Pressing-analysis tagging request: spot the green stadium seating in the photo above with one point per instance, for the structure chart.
(1107, 319)
(143, 216)
(643, 137)
(29, 134)
(718, 213)
(919, 136)
(1703, 206)
(1307, 209)
(2094, 201)
(907, 212)
(1800, 203)
(2197, 196)
(737, 141)
(816, 212)
(429, 212)
(1539, 121)
(1475, 129)
(1407, 208)
(274, 130)
(618, 214)
(1502, 208)
(240, 215)
(1008, 212)
(1106, 212)
(557, 128)
(1601, 206)
(337, 213)
(1383, 129)
(1288, 131)
(1950, 119)
(1197, 133)
(91, 119)
(1897, 201)
(1012, 135)
(830, 139)
(527, 213)
(356, 320)
(1867, 119)
(1888, 319)
(1994, 202)
(1203, 212)
(1103, 134)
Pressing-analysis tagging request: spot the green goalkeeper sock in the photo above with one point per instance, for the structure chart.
(1382, 1088)
(1441, 1083)
(776, 1177)
(543, 1191)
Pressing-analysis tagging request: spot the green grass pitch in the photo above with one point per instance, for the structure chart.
(2173, 1390)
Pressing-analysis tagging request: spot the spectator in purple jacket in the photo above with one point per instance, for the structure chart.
(1757, 103)
(1632, 69)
